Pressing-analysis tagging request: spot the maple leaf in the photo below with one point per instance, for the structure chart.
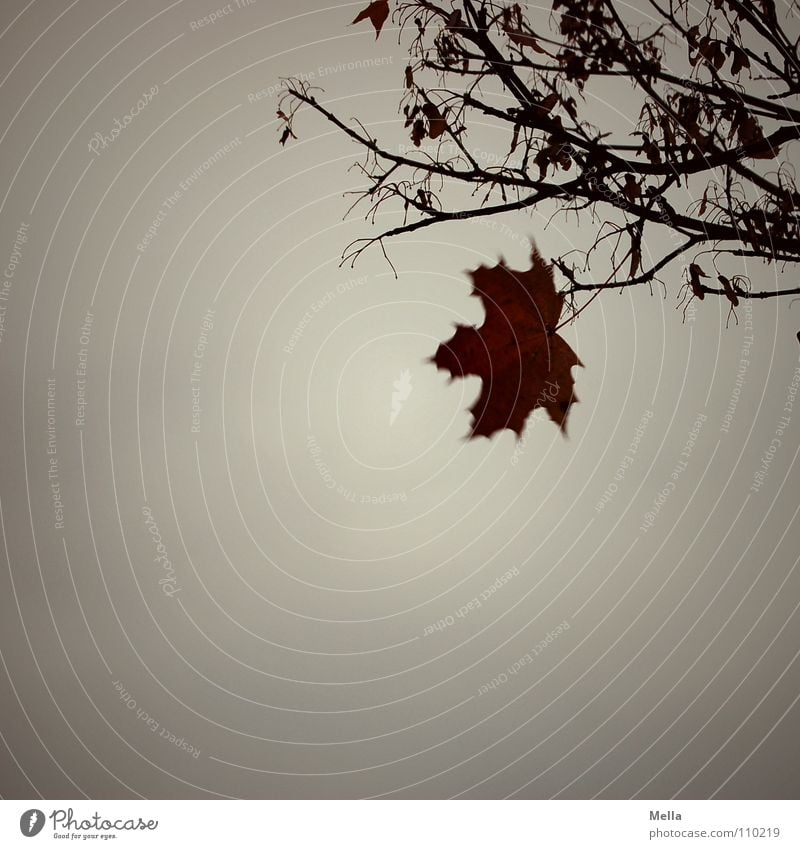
(377, 12)
(521, 360)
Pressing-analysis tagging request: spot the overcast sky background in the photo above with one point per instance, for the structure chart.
(263, 575)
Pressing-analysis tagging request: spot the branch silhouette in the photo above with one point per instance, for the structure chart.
(713, 90)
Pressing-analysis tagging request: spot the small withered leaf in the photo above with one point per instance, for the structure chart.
(418, 132)
(740, 60)
(728, 289)
(636, 251)
(377, 12)
(523, 39)
(632, 189)
(695, 273)
(704, 203)
(455, 21)
(436, 123)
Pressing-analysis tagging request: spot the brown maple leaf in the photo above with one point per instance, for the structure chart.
(377, 12)
(516, 352)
